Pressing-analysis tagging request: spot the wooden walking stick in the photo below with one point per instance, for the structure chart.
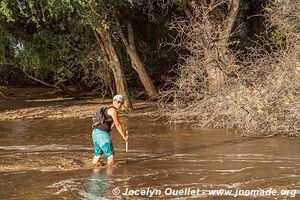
(126, 148)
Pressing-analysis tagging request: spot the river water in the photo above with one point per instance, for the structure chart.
(48, 159)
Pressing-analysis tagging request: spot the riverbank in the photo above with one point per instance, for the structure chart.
(47, 103)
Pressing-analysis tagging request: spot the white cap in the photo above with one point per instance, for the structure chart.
(118, 96)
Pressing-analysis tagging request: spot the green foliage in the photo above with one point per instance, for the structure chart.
(48, 52)
(56, 8)
(269, 10)
(277, 37)
(5, 12)
(285, 20)
(279, 1)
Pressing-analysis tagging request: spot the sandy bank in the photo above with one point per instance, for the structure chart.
(46, 103)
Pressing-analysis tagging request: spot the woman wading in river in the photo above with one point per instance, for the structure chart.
(101, 131)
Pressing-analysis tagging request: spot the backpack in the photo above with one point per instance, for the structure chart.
(99, 117)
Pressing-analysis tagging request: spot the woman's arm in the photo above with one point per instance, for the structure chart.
(114, 114)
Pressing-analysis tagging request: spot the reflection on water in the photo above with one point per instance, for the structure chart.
(51, 159)
(97, 184)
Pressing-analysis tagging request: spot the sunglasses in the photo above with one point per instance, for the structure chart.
(120, 102)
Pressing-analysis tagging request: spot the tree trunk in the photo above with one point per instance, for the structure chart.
(136, 62)
(234, 8)
(215, 75)
(116, 66)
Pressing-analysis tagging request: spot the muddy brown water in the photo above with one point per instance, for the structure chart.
(47, 159)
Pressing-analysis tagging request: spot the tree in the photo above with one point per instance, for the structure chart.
(43, 15)
(95, 14)
(115, 65)
(137, 64)
(204, 29)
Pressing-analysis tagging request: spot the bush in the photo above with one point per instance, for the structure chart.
(261, 92)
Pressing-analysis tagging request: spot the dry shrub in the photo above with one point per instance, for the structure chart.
(205, 40)
(261, 92)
